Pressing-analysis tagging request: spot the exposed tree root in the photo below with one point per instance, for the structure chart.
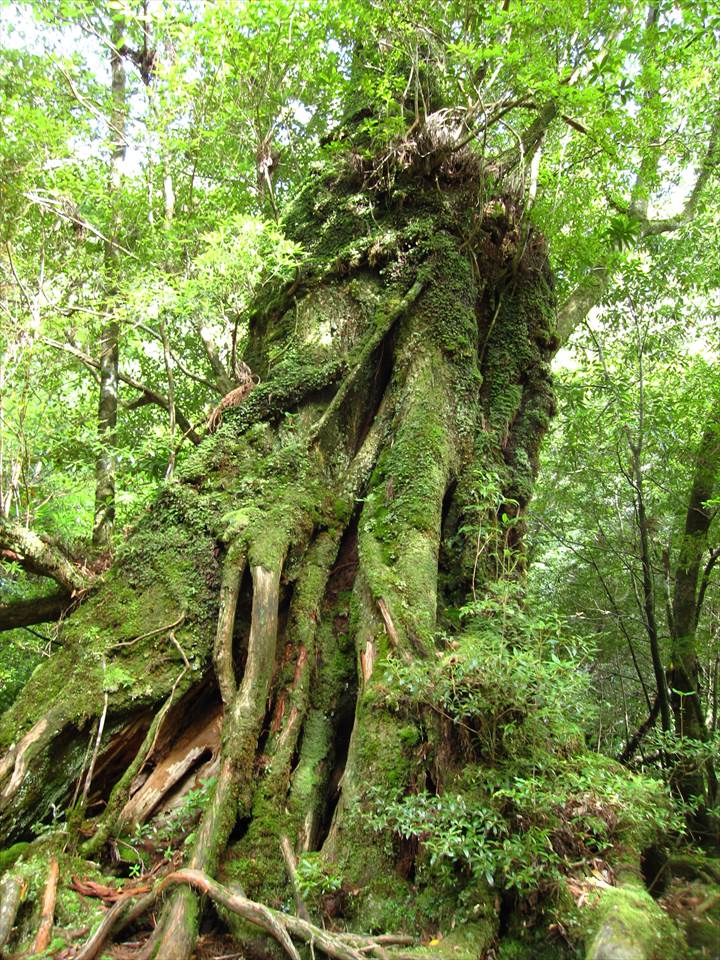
(232, 793)
(283, 927)
(290, 866)
(223, 654)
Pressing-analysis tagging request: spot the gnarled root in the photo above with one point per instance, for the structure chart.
(283, 927)
(241, 727)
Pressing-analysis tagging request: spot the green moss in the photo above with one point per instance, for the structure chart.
(626, 921)
(467, 941)
(9, 856)
(536, 945)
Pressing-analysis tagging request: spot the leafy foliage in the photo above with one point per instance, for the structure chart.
(513, 688)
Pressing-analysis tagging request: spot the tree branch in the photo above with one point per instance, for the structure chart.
(25, 613)
(708, 166)
(152, 396)
(36, 555)
(705, 581)
(225, 384)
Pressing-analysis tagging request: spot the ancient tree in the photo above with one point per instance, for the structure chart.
(356, 506)
(319, 532)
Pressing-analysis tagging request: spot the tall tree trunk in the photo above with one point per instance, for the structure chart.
(694, 781)
(105, 463)
(321, 532)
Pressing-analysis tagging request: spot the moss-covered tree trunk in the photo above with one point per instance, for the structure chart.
(696, 782)
(329, 526)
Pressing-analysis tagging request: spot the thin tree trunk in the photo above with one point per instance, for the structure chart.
(648, 598)
(105, 463)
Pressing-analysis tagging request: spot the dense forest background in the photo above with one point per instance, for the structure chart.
(234, 239)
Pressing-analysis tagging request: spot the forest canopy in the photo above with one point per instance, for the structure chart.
(359, 471)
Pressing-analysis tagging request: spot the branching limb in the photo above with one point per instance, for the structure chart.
(150, 395)
(634, 742)
(590, 291)
(705, 581)
(707, 167)
(25, 613)
(586, 295)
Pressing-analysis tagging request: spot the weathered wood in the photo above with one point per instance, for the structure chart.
(291, 867)
(47, 917)
(171, 769)
(11, 891)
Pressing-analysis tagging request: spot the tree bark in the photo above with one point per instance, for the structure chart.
(320, 533)
(39, 556)
(26, 613)
(684, 673)
(105, 463)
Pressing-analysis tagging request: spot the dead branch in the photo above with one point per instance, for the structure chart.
(96, 750)
(291, 867)
(60, 209)
(11, 891)
(47, 917)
